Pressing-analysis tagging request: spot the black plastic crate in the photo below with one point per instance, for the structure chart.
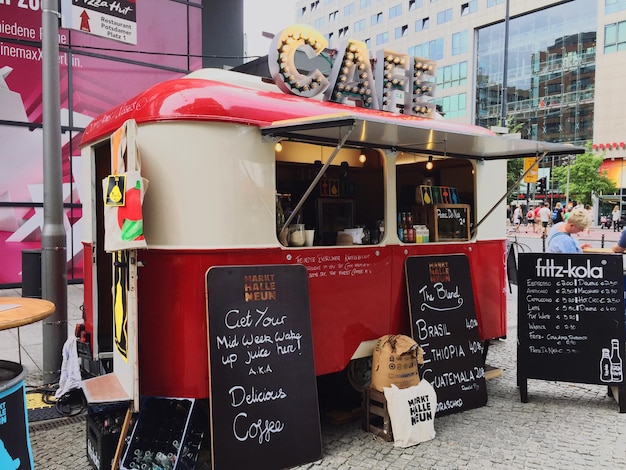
(104, 426)
(169, 434)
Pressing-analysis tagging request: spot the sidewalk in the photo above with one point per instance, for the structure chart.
(563, 427)
(595, 234)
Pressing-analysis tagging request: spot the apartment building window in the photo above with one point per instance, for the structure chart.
(452, 75)
(328, 2)
(329, 38)
(459, 43)
(415, 4)
(365, 3)
(453, 106)
(319, 22)
(368, 43)
(469, 7)
(402, 31)
(444, 16)
(315, 4)
(421, 25)
(395, 11)
(612, 6)
(432, 50)
(333, 16)
(302, 12)
(348, 9)
(377, 18)
(359, 26)
(615, 37)
(382, 38)
(343, 32)
(493, 3)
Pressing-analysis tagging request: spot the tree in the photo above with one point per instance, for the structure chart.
(514, 169)
(585, 178)
(514, 166)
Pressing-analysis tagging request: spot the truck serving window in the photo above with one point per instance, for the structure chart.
(434, 198)
(344, 207)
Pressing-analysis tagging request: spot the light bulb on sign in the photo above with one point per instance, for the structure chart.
(362, 158)
(429, 163)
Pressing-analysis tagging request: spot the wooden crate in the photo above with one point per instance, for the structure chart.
(375, 414)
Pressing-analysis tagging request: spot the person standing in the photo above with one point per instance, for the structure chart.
(560, 239)
(530, 219)
(544, 217)
(517, 218)
(557, 213)
(537, 218)
(615, 217)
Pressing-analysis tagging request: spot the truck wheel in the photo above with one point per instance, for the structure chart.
(360, 373)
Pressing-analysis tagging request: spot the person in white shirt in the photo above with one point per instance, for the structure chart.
(544, 215)
(517, 218)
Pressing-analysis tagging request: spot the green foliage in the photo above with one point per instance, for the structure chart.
(514, 166)
(584, 177)
(514, 169)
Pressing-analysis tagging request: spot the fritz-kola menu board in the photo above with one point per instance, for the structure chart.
(570, 319)
(263, 390)
(443, 322)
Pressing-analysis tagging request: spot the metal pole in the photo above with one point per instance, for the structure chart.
(569, 157)
(53, 241)
(505, 64)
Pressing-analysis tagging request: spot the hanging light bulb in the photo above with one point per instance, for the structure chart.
(429, 163)
(278, 147)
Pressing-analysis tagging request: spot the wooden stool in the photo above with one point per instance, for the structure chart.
(375, 414)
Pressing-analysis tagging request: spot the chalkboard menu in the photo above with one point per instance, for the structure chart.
(443, 322)
(570, 319)
(264, 409)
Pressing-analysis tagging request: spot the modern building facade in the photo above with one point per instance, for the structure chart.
(173, 37)
(560, 62)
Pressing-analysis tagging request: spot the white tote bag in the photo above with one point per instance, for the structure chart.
(412, 413)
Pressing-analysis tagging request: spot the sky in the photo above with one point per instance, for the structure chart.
(265, 15)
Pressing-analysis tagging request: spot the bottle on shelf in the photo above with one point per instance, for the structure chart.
(410, 230)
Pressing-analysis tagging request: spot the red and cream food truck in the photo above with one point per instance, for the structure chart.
(371, 186)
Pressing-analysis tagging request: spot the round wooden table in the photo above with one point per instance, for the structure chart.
(19, 311)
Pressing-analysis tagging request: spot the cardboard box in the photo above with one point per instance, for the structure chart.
(395, 361)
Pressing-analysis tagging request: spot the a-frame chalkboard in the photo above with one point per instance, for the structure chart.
(570, 320)
(263, 390)
(443, 322)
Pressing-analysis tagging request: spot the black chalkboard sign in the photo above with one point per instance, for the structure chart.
(443, 322)
(570, 319)
(264, 408)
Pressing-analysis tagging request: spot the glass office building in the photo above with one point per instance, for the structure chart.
(550, 73)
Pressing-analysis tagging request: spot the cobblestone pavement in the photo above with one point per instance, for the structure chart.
(563, 426)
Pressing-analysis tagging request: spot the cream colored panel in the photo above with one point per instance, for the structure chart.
(490, 187)
(211, 185)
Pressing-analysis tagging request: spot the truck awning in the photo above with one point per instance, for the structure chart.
(422, 136)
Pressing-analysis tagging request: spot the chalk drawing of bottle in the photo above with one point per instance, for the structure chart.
(616, 362)
(605, 366)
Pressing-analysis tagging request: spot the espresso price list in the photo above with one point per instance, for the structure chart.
(570, 309)
(553, 314)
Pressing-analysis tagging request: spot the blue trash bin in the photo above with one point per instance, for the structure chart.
(15, 450)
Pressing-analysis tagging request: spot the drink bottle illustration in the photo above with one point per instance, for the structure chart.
(616, 362)
(605, 366)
